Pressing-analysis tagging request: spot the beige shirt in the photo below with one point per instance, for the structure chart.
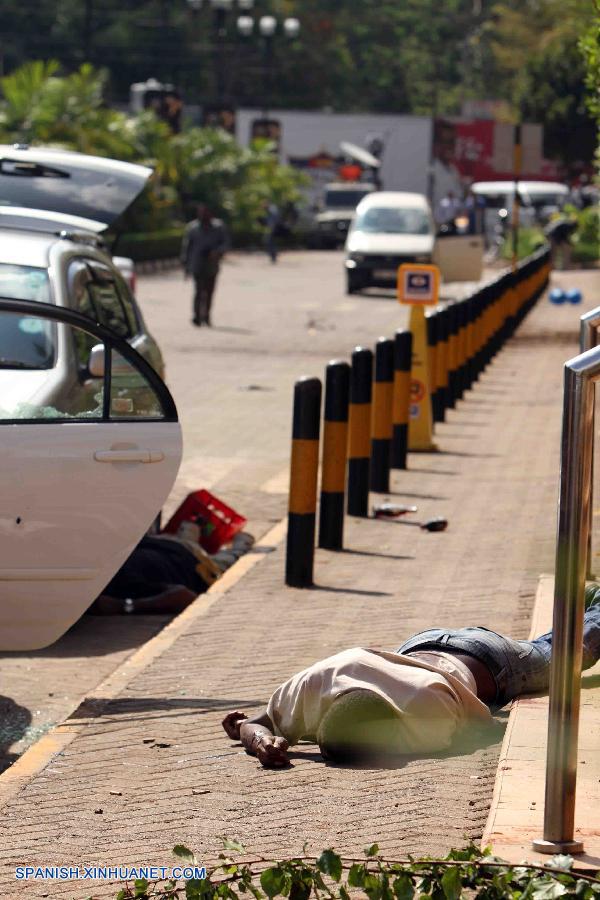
(433, 694)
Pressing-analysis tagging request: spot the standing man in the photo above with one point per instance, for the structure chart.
(272, 223)
(205, 241)
(447, 209)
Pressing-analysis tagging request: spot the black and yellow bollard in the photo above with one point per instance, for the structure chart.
(359, 432)
(442, 373)
(381, 421)
(333, 466)
(451, 312)
(432, 319)
(401, 398)
(303, 483)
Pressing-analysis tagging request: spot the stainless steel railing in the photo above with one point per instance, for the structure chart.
(588, 338)
(574, 527)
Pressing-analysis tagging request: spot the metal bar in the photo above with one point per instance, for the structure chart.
(588, 338)
(580, 374)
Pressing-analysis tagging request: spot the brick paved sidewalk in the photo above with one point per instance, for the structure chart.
(159, 742)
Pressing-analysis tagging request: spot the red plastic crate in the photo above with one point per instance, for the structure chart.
(218, 522)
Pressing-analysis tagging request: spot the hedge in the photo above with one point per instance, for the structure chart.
(143, 247)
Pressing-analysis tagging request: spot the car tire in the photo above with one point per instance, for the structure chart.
(353, 284)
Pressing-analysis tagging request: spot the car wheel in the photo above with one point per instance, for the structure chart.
(353, 284)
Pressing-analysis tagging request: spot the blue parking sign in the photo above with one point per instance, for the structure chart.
(418, 284)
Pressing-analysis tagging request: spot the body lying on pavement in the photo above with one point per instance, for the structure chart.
(362, 704)
(165, 573)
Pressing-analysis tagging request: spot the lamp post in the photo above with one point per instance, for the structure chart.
(267, 28)
(221, 9)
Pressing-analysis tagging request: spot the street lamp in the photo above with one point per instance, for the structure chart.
(267, 27)
(220, 9)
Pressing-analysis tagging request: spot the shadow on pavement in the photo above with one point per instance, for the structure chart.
(106, 709)
(92, 636)
(373, 553)
(14, 722)
(343, 590)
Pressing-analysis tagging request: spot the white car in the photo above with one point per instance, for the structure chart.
(91, 441)
(80, 482)
(389, 228)
(52, 253)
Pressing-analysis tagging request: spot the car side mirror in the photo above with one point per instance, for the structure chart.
(96, 361)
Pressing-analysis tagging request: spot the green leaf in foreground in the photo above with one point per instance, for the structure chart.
(182, 852)
(452, 884)
(232, 844)
(272, 881)
(403, 887)
(330, 864)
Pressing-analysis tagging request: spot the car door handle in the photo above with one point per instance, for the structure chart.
(129, 456)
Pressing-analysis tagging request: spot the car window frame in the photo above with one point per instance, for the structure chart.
(99, 271)
(112, 343)
(126, 297)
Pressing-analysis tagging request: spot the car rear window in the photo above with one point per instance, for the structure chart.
(25, 342)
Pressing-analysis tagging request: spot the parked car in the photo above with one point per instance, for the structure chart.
(339, 205)
(54, 205)
(91, 439)
(85, 469)
(389, 228)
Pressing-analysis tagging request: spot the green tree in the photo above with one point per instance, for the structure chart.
(41, 106)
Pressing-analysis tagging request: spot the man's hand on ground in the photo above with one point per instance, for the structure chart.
(272, 752)
(231, 723)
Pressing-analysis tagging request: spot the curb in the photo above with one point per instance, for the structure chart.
(37, 757)
(517, 808)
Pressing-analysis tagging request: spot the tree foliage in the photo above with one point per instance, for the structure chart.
(41, 106)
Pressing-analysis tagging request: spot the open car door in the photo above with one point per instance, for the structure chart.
(85, 470)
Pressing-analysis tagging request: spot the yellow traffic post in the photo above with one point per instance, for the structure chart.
(418, 287)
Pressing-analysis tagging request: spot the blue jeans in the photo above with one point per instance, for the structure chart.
(518, 667)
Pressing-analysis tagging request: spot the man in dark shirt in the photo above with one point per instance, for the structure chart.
(204, 243)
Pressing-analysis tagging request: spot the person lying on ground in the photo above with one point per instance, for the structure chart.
(165, 573)
(362, 704)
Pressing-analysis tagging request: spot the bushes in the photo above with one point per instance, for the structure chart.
(144, 246)
(586, 240)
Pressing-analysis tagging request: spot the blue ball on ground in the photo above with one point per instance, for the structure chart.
(557, 295)
(574, 295)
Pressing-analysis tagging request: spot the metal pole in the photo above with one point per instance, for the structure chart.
(517, 159)
(581, 373)
(588, 338)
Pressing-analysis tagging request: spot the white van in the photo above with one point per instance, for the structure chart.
(388, 229)
(539, 199)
